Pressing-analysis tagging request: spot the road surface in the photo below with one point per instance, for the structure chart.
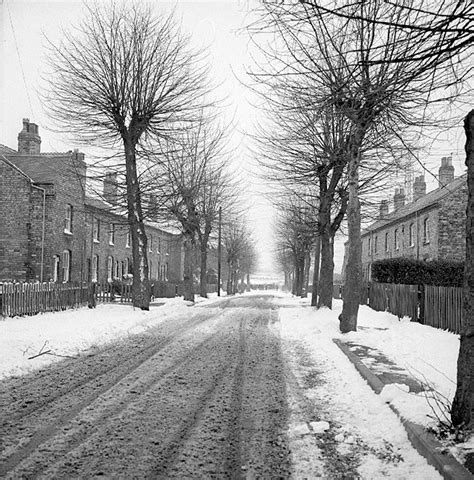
(203, 397)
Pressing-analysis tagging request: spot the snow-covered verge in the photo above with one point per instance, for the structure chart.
(426, 353)
(72, 331)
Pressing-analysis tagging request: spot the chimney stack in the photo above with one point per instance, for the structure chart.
(419, 188)
(383, 209)
(446, 171)
(110, 187)
(399, 198)
(29, 141)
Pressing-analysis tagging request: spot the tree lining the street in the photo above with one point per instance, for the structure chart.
(364, 71)
(124, 79)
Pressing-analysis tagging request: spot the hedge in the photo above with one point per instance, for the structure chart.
(445, 273)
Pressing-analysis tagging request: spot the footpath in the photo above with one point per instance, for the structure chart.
(379, 372)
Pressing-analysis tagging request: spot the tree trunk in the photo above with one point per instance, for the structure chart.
(307, 264)
(317, 254)
(299, 280)
(188, 284)
(203, 275)
(462, 412)
(352, 285)
(327, 270)
(248, 282)
(140, 286)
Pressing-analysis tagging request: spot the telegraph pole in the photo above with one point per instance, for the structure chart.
(219, 248)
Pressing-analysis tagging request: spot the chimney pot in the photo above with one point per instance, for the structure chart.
(419, 188)
(383, 209)
(399, 198)
(110, 187)
(29, 141)
(446, 171)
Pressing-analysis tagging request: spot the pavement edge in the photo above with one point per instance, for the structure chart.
(424, 442)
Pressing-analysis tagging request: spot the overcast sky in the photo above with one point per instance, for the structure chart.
(217, 24)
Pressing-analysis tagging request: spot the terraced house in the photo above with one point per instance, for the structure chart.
(431, 227)
(50, 229)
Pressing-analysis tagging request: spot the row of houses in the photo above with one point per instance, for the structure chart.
(431, 227)
(51, 229)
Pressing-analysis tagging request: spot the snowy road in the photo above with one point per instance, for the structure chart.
(202, 397)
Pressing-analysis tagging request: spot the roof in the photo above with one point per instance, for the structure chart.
(111, 210)
(5, 150)
(41, 168)
(431, 199)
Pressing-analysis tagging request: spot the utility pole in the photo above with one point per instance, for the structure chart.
(219, 250)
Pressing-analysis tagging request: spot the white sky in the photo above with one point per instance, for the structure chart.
(218, 24)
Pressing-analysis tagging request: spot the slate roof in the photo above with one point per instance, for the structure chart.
(40, 167)
(6, 150)
(429, 200)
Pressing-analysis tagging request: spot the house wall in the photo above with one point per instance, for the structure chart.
(419, 249)
(452, 225)
(164, 251)
(14, 223)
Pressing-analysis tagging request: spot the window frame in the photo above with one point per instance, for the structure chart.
(426, 230)
(56, 268)
(111, 234)
(68, 219)
(396, 239)
(110, 267)
(96, 230)
(66, 265)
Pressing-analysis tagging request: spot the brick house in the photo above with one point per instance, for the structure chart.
(50, 229)
(431, 227)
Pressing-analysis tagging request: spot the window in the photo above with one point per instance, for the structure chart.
(96, 229)
(426, 230)
(110, 267)
(386, 242)
(128, 241)
(123, 270)
(111, 233)
(369, 246)
(396, 240)
(166, 272)
(95, 268)
(68, 219)
(159, 245)
(55, 268)
(66, 265)
(150, 244)
(127, 266)
(168, 248)
(116, 268)
(376, 241)
(411, 234)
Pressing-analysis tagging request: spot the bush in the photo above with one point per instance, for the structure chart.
(408, 271)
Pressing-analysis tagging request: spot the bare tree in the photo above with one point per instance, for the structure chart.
(296, 230)
(364, 69)
(124, 79)
(240, 253)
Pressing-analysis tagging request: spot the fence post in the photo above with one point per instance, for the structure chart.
(421, 304)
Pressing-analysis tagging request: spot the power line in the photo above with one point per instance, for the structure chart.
(19, 59)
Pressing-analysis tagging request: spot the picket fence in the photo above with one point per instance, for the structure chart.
(439, 307)
(32, 298)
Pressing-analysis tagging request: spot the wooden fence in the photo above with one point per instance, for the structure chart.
(401, 300)
(443, 307)
(32, 298)
(439, 307)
